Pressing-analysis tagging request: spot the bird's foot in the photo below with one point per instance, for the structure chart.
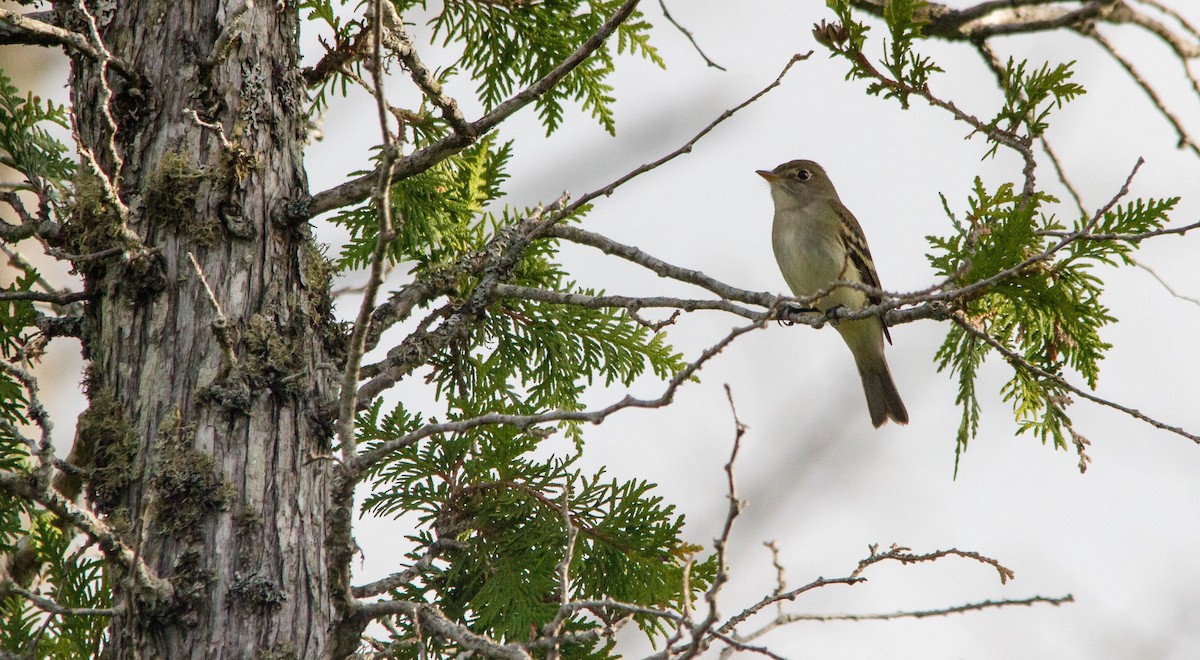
(790, 309)
(831, 314)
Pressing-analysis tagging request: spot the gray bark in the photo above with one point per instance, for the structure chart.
(207, 464)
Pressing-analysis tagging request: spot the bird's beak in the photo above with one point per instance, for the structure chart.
(768, 175)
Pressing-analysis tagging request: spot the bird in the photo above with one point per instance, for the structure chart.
(817, 241)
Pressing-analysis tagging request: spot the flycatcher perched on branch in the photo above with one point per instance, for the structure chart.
(818, 242)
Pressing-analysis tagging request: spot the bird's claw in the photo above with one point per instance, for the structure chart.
(831, 314)
(789, 309)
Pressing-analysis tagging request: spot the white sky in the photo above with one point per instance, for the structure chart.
(816, 476)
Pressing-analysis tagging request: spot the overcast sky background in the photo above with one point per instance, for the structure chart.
(816, 477)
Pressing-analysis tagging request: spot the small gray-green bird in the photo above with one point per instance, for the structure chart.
(817, 241)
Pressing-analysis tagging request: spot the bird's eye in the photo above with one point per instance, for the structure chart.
(804, 175)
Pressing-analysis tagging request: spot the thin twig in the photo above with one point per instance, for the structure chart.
(348, 399)
(703, 630)
(690, 37)
(687, 146)
(46, 34)
(221, 324)
(1165, 285)
(1185, 140)
(51, 607)
(631, 303)
(921, 614)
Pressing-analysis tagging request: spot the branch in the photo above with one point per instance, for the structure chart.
(905, 556)
(51, 607)
(702, 632)
(921, 614)
(356, 467)
(30, 29)
(348, 397)
(998, 17)
(396, 38)
(110, 543)
(633, 304)
(687, 147)
(687, 33)
(1185, 140)
(356, 190)
(432, 620)
(896, 553)
(658, 266)
(397, 580)
(1126, 238)
(61, 299)
(1165, 285)
(1016, 358)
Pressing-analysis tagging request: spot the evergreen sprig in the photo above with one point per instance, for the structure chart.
(1049, 311)
(26, 145)
(508, 46)
(909, 71)
(502, 506)
(438, 212)
(1030, 95)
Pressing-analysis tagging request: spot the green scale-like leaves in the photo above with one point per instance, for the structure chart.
(508, 46)
(502, 505)
(1048, 311)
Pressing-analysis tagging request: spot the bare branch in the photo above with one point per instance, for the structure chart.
(658, 266)
(701, 633)
(30, 29)
(688, 34)
(397, 580)
(348, 398)
(921, 614)
(111, 179)
(1000, 17)
(51, 607)
(1181, 46)
(221, 324)
(397, 40)
(1165, 285)
(687, 147)
(1185, 140)
(905, 556)
(1126, 238)
(61, 299)
(633, 304)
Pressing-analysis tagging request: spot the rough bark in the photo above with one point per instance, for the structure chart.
(203, 432)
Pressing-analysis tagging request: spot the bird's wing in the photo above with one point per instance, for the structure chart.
(860, 256)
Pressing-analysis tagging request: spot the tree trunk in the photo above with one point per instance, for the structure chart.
(203, 431)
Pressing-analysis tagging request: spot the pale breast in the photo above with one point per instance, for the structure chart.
(811, 256)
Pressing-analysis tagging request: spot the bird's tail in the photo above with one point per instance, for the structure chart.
(883, 401)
